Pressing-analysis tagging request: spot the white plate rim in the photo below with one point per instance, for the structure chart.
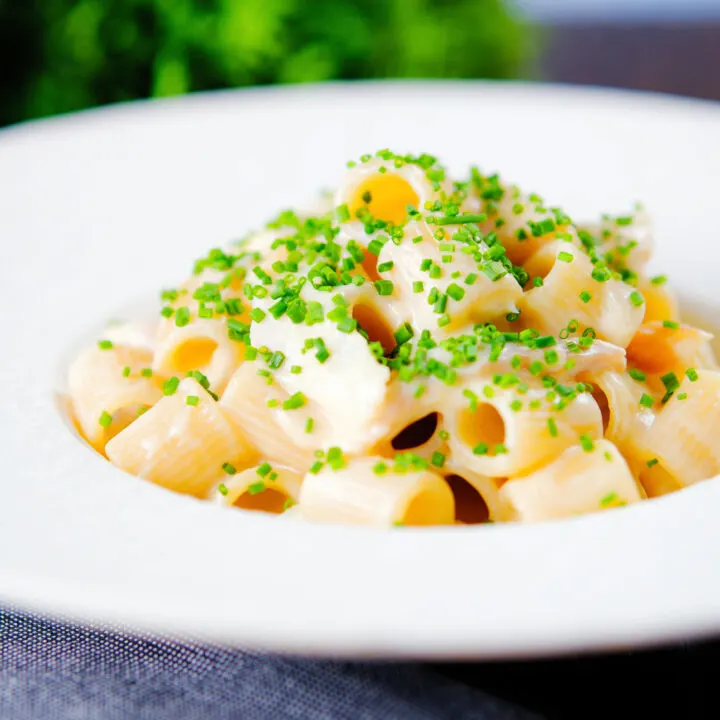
(644, 586)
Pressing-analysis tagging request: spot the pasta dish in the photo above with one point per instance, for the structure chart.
(415, 350)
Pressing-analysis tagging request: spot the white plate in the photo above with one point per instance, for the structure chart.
(104, 208)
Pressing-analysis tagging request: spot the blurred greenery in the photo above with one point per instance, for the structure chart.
(63, 55)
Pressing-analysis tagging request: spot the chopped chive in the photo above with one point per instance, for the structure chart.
(552, 427)
(608, 499)
(182, 316)
(671, 324)
(494, 270)
(276, 360)
(658, 280)
(384, 287)
(105, 419)
(638, 375)
(460, 219)
(682, 396)
(192, 400)
(105, 344)
(294, 402)
(636, 298)
(257, 314)
(309, 425)
(380, 468)
(587, 443)
(222, 489)
(335, 458)
(256, 487)
(404, 333)
(538, 281)
(386, 266)
(418, 286)
(585, 296)
(229, 469)
(471, 278)
(316, 467)
(126, 371)
(437, 459)
(455, 292)
(342, 212)
(481, 449)
(670, 382)
(565, 257)
(170, 386)
(347, 325)
(646, 401)
(692, 374)
(651, 463)
(264, 469)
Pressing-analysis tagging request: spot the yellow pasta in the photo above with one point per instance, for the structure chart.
(108, 387)
(182, 443)
(415, 349)
(359, 494)
(507, 432)
(245, 399)
(625, 418)
(203, 346)
(613, 309)
(266, 488)
(578, 482)
(680, 446)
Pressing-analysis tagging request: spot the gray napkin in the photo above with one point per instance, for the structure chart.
(52, 670)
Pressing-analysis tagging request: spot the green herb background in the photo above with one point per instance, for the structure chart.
(63, 55)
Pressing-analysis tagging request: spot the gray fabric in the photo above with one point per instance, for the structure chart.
(52, 670)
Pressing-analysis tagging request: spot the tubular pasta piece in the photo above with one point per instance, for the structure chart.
(136, 334)
(657, 350)
(253, 490)
(521, 219)
(487, 487)
(357, 495)
(482, 301)
(385, 195)
(628, 240)
(577, 482)
(660, 301)
(98, 385)
(525, 434)
(202, 345)
(181, 446)
(683, 438)
(246, 400)
(610, 311)
(625, 419)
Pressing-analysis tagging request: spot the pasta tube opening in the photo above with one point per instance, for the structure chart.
(384, 196)
(604, 404)
(470, 507)
(263, 488)
(268, 500)
(658, 480)
(483, 427)
(195, 352)
(416, 434)
(376, 327)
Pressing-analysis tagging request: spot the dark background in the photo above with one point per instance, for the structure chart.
(63, 55)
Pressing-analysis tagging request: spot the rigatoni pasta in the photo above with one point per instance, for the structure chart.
(417, 350)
